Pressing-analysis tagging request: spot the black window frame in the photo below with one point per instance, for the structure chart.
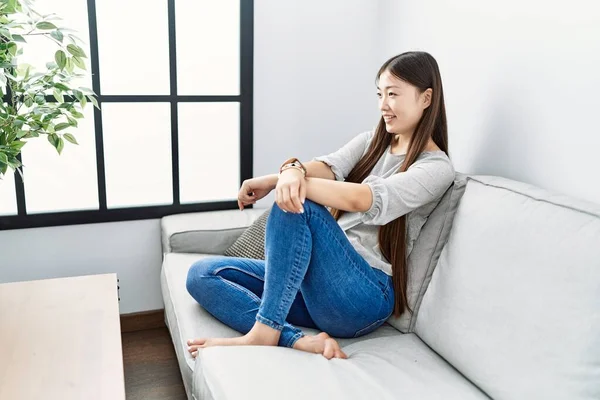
(103, 213)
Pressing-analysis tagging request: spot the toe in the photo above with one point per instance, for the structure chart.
(329, 351)
(196, 341)
(340, 354)
(195, 347)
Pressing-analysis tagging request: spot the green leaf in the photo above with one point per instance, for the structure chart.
(78, 95)
(51, 65)
(61, 58)
(72, 121)
(61, 145)
(76, 51)
(83, 102)
(3, 158)
(94, 101)
(28, 102)
(17, 145)
(57, 34)
(61, 86)
(18, 38)
(79, 62)
(39, 99)
(70, 65)
(61, 126)
(76, 114)
(58, 96)
(53, 139)
(45, 25)
(12, 48)
(70, 138)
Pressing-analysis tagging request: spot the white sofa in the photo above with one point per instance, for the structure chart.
(508, 309)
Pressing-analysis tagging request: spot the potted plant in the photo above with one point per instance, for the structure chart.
(37, 103)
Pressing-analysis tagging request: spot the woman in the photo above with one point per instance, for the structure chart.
(343, 270)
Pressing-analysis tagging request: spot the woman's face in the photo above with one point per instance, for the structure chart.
(401, 104)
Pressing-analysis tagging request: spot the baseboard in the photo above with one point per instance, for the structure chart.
(142, 320)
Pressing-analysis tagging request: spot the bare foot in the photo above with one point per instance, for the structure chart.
(195, 344)
(320, 344)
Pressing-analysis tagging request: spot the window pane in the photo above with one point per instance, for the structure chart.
(39, 49)
(137, 153)
(8, 198)
(209, 151)
(133, 46)
(62, 182)
(208, 47)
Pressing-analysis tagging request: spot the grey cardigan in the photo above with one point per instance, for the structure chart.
(415, 192)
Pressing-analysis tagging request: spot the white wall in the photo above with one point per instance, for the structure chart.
(521, 84)
(131, 249)
(314, 68)
(314, 78)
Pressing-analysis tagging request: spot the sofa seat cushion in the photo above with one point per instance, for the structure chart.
(396, 367)
(186, 319)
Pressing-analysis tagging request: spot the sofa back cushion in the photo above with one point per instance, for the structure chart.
(514, 302)
(426, 251)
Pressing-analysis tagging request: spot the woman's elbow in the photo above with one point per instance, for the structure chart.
(363, 199)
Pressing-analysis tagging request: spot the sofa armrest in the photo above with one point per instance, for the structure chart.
(208, 232)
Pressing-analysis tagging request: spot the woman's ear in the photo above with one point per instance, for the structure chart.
(427, 98)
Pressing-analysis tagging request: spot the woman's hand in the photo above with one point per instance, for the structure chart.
(255, 189)
(290, 191)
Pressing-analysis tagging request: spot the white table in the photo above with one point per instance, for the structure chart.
(61, 339)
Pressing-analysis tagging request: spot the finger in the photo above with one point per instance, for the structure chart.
(287, 200)
(195, 354)
(279, 200)
(196, 341)
(295, 198)
(246, 198)
(302, 191)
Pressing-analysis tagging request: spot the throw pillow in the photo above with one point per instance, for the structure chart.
(251, 243)
(426, 251)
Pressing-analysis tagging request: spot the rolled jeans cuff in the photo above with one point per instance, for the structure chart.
(294, 339)
(268, 322)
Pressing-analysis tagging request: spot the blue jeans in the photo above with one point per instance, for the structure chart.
(311, 276)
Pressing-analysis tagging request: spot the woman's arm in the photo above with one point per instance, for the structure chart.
(318, 169)
(347, 196)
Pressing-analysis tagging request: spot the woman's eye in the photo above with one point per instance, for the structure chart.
(378, 94)
(391, 94)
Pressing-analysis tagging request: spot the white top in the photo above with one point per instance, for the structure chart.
(415, 192)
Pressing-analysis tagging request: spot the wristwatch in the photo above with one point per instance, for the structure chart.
(292, 163)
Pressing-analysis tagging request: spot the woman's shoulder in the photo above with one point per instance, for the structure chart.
(438, 161)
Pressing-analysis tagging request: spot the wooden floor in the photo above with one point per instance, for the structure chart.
(151, 370)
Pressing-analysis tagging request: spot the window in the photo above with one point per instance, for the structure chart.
(174, 133)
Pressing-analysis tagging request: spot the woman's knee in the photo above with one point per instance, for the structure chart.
(201, 269)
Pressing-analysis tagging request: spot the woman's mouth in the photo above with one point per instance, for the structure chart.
(388, 118)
